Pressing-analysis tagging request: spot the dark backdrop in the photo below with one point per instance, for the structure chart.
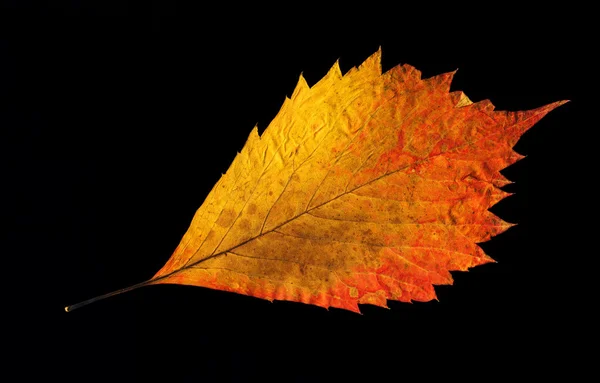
(118, 119)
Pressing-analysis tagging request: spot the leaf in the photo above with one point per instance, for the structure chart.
(365, 187)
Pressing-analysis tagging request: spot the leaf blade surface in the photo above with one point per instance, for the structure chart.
(365, 187)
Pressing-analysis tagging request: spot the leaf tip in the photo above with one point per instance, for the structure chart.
(550, 107)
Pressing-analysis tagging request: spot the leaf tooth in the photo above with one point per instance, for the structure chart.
(335, 70)
(441, 82)
(372, 63)
(333, 75)
(484, 105)
(460, 99)
(376, 299)
(252, 146)
(497, 195)
(500, 180)
(301, 88)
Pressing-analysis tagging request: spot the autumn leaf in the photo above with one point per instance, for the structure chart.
(365, 187)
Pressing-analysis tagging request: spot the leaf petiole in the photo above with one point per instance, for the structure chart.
(108, 295)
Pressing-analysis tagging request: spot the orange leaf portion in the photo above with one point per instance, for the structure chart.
(365, 187)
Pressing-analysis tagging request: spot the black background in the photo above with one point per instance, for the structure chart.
(117, 120)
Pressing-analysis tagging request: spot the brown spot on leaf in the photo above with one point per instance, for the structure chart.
(226, 218)
(244, 224)
(252, 208)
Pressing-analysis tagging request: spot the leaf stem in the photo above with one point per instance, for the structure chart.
(108, 295)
